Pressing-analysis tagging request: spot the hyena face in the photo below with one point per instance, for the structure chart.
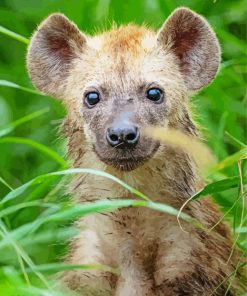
(117, 83)
(124, 91)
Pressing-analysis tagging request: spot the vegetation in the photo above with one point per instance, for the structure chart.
(35, 213)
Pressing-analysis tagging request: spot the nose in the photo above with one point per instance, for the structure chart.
(126, 136)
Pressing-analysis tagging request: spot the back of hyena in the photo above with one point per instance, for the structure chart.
(113, 84)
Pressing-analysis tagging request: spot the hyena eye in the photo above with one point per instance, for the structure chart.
(92, 98)
(155, 94)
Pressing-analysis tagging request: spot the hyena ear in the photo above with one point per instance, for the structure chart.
(52, 49)
(191, 39)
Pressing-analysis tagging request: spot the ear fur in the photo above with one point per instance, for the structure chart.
(52, 49)
(191, 39)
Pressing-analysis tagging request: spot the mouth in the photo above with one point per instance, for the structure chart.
(125, 164)
(126, 159)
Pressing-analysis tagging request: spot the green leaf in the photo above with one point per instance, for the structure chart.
(14, 85)
(47, 236)
(109, 205)
(57, 267)
(10, 127)
(24, 205)
(5, 183)
(78, 211)
(219, 186)
(35, 291)
(235, 140)
(20, 252)
(230, 160)
(28, 228)
(40, 147)
(13, 35)
(241, 229)
(40, 179)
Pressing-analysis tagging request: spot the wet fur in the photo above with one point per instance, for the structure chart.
(154, 255)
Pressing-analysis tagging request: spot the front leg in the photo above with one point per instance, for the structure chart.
(134, 286)
(135, 278)
(85, 250)
(195, 283)
(193, 264)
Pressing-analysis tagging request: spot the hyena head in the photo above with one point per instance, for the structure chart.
(118, 82)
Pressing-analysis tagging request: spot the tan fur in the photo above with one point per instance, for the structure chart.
(126, 38)
(154, 255)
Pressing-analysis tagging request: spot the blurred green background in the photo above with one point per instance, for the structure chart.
(221, 108)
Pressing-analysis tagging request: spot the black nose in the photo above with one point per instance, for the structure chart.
(127, 136)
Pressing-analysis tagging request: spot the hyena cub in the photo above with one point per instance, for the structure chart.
(113, 84)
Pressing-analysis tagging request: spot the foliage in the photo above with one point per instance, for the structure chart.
(35, 215)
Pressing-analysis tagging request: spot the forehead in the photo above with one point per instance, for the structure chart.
(130, 39)
(121, 50)
(122, 58)
(122, 47)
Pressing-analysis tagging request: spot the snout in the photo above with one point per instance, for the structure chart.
(123, 136)
(124, 133)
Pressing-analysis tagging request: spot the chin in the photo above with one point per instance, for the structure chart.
(125, 164)
(125, 159)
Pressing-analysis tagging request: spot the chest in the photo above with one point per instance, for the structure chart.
(141, 232)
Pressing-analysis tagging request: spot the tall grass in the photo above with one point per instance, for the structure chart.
(35, 214)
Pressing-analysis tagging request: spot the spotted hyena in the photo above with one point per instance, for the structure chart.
(114, 84)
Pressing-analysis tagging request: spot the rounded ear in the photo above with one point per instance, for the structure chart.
(52, 48)
(191, 39)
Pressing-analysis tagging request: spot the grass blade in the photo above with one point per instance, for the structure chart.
(59, 235)
(24, 205)
(241, 230)
(5, 183)
(13, 35)
(22, 253)
(230, 160)
(14, 85)
(57, 267)
(10, 127)
(219, 186)
(235, 140)
(187, 143)
(40, 147)
(28, 228)
(78, 211)
(40, 179)
(109, 205)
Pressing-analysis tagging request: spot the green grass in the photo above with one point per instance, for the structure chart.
(35, 213)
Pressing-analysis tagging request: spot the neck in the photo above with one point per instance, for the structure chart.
(170, 177)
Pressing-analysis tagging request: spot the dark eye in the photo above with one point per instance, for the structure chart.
(155, 95)
(92, 98)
